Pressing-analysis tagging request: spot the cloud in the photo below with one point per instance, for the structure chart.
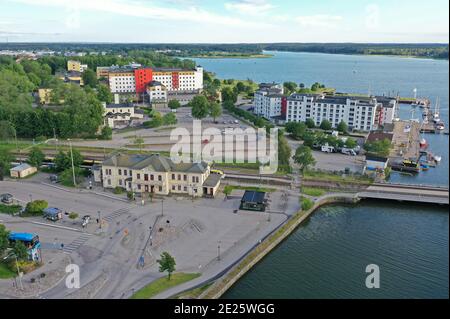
(250, 7)
(319, 20)
(139, 9)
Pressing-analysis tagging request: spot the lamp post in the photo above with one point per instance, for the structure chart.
(73, 167)
(218, 250)
(18, 270)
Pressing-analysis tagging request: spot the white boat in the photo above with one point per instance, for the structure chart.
(437, 158)
(423, 143)
(440, 126)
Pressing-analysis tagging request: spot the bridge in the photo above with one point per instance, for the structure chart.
(406, 193)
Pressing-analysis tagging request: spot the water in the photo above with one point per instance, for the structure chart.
(326, 257)
(357, 74)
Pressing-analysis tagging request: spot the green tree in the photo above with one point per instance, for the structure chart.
(290, 87)
(104, 94)
(240, 87)
(7, 130)
(351, 143)
(36, 207)
(106, 133)
(342, 127)
(5, 163)
(170, 119)
(90, 78)
(229, 95)
(174, 104)
(216, 110)
(380, 148)
(310, 123)
(200, 107)
(36, 157)
(20, 250)
(4, 241)
(284, 150)
(156, 121)
(303, 157)
(166, 263)
(326, 125)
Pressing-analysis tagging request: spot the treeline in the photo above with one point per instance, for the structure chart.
(428, 50)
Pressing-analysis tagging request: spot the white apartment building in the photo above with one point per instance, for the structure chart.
(179, 80)
(120, 115)
(268, 100)
(122, 81)
(157, 93)
(360, 113)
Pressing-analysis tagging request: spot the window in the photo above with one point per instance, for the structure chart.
(152, 177)
(179, 177)
(160, 188)
(173, 187)
(173, 176)
(139, 186)
(120, 182)
(146, 177)
(138, 176)
(179, 187)
(159, 178)
(120, 172)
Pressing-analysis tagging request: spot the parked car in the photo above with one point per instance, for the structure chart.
(348, 151)
(328, 149)
(54, 178)
(53, 214)
(7, 198)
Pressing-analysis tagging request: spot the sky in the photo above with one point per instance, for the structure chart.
(228, 21)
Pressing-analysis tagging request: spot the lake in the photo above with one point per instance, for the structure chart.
(327, 256)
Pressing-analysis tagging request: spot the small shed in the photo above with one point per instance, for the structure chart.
(253, 200)
(22, 170)
(376, 163)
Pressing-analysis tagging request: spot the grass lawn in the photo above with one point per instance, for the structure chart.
(330, 177)
(229, 189)
(163, 284)
(194, 293)
(5, 272)
(311, 191)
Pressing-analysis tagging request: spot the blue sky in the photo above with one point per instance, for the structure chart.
(228, 21)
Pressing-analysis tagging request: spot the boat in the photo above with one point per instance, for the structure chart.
(440, 126)
(436, 116)
(423, 143)
(437, 158)
(424, 166)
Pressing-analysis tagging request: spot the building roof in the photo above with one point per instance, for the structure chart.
(154, 162)
(113, 106)
(21, 236)
(253, 197)
(379, 136)
(212, 181)
(21, 167)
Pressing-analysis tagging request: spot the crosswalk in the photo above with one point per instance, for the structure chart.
(116, 214)
(77, 243)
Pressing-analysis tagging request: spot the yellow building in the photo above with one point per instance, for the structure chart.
(44, 96)
(102, 72)
(76, 66)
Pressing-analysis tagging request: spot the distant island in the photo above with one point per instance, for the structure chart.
(245, 50)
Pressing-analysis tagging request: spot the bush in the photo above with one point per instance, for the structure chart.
(36, 207)
(130, 195)
(66, 177)
(119, 190)
(307, 204)
(73, 215)
(10, 210)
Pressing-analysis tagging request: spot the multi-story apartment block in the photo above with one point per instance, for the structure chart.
(155, 174)
(157, 92)
(135, 80)
(360, 113)
(76, 66)
(269, 100)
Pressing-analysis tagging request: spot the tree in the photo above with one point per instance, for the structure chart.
(342, 127)
(325, 125)
(104, 94)
(36, 157)
(351, 143)
(284, 150)
(106, 133)
(63, 160)
(90, 78)
(240, 87)
(174, 104)
(380, 148)
(5, 163)
(4, 239)
(156, 121)
(36, 207)
(20, 250)
(310, 123)
(167, 263)
(290, 87)
(7, 131)
(303, 157)
(229, 95)
(170, 119)
(216, 110)
(200, 107)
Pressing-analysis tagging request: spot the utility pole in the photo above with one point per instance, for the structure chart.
(73, 167)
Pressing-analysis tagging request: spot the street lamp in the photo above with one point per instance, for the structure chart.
(18, 270)
(73, 167)
(218, 250)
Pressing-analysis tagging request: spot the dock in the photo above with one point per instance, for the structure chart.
(406, 141)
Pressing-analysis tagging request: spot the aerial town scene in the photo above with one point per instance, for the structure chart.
(239, 149)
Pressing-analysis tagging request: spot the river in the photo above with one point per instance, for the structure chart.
(327, 256)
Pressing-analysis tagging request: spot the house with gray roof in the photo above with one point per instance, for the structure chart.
(159, 175)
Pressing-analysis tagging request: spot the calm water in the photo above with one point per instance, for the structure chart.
(327, 256)
(356, 74)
